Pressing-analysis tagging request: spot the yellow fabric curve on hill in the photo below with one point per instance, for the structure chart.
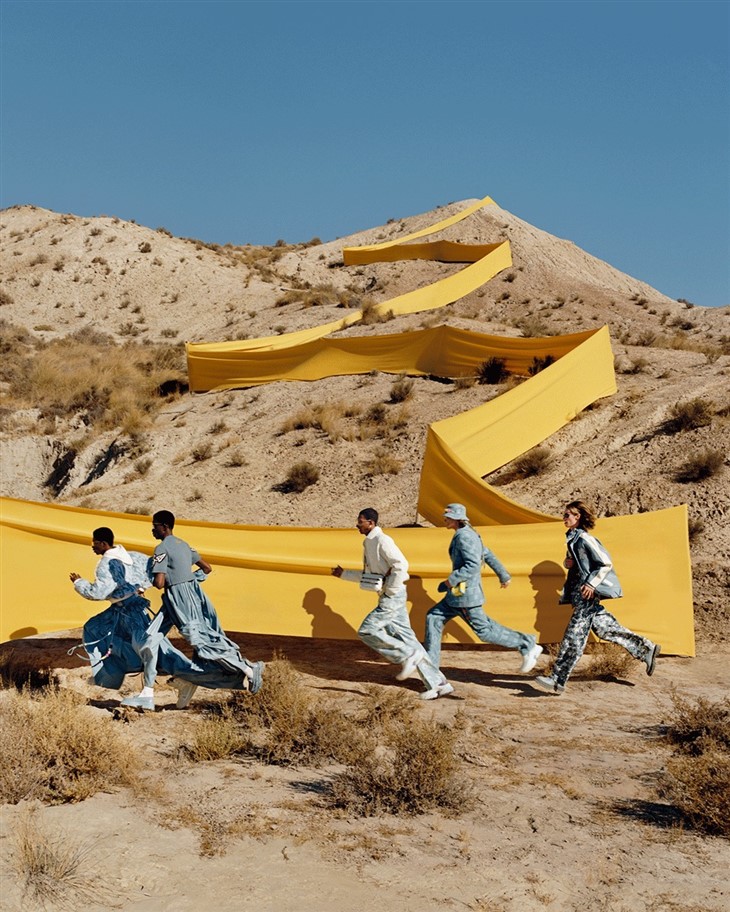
(277, 581)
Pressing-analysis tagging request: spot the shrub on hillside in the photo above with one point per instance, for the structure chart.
(701, 465)
(493, 370)
(686, 416)
(301, 476)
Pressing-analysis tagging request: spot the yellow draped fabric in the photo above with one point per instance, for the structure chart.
(277, 580)
(218, 365)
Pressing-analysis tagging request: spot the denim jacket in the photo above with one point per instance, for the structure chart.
(467, 554)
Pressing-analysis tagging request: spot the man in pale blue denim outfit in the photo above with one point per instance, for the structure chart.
(387, 629)
(465, 597)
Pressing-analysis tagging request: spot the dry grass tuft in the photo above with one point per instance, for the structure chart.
(418, 772)
(401, 390)
(699, 466)
(686, 416)
(300, 477)
(23, 673)
(609, 660)
(492, 371)
(49, 866)
(698, 775)
(382, 463)
(215, 737)
(55, 749)
(285, 724)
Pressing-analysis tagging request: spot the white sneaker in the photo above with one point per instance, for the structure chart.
(139, 702)
(530, 658)
(440, 690)
(185, 692)
(409, 666)
(549, 684)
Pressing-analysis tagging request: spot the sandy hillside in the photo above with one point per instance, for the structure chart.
(571, 810)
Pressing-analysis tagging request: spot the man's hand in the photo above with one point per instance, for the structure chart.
(504, 585)
(587, 591)
(336, 571)
(74, 576)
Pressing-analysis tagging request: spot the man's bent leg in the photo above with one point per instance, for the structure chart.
(436, 620)
(489, 631)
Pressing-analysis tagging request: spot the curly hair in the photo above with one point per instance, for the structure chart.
(587, 516)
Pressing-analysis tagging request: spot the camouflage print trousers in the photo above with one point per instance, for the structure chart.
(589, 614)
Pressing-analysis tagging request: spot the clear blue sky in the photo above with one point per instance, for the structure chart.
(607, 123)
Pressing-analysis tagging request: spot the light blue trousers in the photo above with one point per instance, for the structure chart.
(387, 630)
(488, 630)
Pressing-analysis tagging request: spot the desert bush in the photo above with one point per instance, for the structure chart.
(401, 390)
(202, 451)
(142, 466)
(235, 459)
(145, 247)
(695, 528)
(701, 465)
(535, 462)
(462, 383)
(215, 737)
(686, 416)
(285, 724)
(23, 672)
(383, 462)
(418, 772)
(538, 364)
(6, 297)
(50, 866)
(385, 706)
(300, 476)
(218, 427)
(532, 327)
(493, 370)
(609, 660)
(57, 750)
(372, 314)
(698, 775)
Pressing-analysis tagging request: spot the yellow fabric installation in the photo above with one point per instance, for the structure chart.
(442, 350)
(462, 449)
(277, 580)
(211, 365)
(350, 254)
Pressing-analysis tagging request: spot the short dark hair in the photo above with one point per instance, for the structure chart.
(103, 533)
(370, 514)
(164, 518)
(587, 517)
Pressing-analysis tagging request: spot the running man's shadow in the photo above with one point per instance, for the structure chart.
(551, 619)
(421, 604)
(326, 623)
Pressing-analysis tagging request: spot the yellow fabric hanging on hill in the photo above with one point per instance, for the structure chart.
(277, 580)
(222, 365)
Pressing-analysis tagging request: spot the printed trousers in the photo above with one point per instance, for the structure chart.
(589, 614)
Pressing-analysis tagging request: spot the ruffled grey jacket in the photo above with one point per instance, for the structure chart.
(591, 564)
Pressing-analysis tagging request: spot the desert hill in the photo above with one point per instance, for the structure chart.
(82, 292)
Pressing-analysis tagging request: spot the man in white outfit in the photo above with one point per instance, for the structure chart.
(387, 629)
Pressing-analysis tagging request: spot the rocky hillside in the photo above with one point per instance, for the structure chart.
(94, 413)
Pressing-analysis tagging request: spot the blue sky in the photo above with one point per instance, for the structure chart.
(607, 123)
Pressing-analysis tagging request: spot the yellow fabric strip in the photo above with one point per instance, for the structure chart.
(277, 580)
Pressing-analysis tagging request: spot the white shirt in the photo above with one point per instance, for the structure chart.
(382, 556)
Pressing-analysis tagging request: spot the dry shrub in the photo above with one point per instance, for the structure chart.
(372, 313)
(493, 370)
(215, 737)
(609, 660)
(202, 451)
(325, 418)
(701, 465)
(300, 477)
(401, 390)
(235, 459)
(284, 724)
(55, 749)
(417, 772)
(686, 416)
(87, 374)
(50, 866)
(535, 462)
(382, 463)
(698, 775)
(385, 706)
(462, 383)
(22, 672)
(539, 364)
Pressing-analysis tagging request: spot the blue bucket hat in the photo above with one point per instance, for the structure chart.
(456, 511)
